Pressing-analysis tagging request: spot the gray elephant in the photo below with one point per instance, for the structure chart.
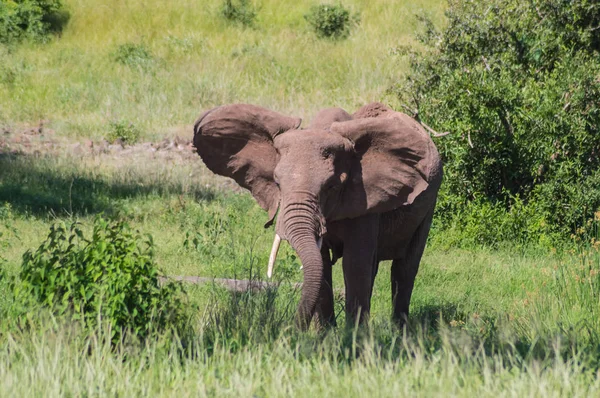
(361, 187)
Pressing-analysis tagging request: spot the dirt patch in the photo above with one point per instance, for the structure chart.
(38, 140)
(173, 159)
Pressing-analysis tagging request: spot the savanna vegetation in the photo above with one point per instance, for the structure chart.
(507, 299)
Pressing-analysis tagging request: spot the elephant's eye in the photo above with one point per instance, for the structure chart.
(326, 153)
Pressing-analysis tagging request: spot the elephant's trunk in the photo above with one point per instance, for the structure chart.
(302, 229)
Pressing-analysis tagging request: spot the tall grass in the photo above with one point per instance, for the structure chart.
(243, 346)
(198, 60)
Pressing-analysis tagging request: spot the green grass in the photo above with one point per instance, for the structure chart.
(52, 365)
(197, 60)
(483, 322)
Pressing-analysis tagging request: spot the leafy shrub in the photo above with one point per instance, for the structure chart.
(518, 85)
(110, 277)
(241, 11)
(491, 224)
(34, 19)
(331, 21)
(124, 132)
(133, 55)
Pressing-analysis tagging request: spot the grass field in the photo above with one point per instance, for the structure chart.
(197, 60)
(510, 322)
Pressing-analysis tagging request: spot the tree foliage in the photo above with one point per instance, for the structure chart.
(33, 19)
(517, 83)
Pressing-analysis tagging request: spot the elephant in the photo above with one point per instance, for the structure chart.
(360, 187)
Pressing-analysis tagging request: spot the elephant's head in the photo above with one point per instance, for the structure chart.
(339, 167)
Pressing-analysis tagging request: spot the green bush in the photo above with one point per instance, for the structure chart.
(518, 86)
(110, 278)
(241, 12)
(133, 55)
(490, 224)
(127, 133)
(331, 21)
(34, 19)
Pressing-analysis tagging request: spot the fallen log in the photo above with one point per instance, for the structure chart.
(234, 285)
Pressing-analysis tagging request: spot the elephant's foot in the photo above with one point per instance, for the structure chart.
(325, 316)
(400, 319)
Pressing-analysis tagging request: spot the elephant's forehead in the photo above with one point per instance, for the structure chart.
(309, 138)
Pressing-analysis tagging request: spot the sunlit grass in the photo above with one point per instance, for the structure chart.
(56, 364)
(199, 60)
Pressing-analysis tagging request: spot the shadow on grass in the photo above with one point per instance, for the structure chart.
(45, 186)
(248, 320)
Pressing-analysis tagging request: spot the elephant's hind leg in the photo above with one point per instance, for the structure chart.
(404, 271)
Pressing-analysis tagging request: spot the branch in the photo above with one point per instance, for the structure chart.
(433, 132)
(415, 115)
(485, 62)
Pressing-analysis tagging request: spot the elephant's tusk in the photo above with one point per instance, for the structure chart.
(273, 256)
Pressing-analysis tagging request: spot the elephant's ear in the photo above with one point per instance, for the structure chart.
(237, 141)
(392, 164)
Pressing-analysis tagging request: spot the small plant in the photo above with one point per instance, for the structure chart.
(331, 21)
(34, 19)
(126, 133)
(6, 212)
(110, 278)
(241, 11)
(133, 55)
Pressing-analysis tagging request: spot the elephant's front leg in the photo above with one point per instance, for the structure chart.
(325, 311)
(360, 255)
